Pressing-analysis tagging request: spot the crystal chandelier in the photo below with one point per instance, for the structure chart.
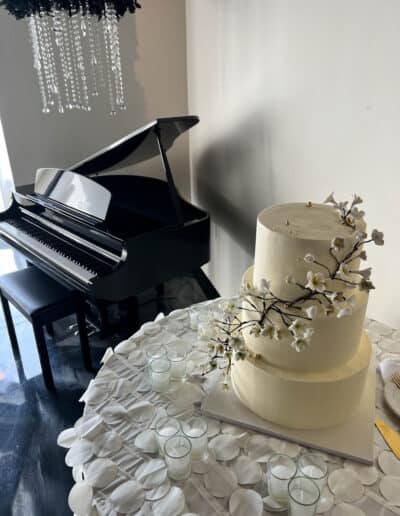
(76, 50)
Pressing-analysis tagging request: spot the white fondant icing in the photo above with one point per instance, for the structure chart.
(299, 399)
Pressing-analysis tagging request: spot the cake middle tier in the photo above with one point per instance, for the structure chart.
(302, 400)
(333, 342)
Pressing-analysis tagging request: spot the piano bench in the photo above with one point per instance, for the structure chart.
(42, 301)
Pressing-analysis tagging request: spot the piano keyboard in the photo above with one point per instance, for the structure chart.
(63, 254)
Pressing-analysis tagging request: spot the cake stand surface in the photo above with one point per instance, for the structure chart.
(352, 439)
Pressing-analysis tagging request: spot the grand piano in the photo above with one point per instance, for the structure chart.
(112, 235)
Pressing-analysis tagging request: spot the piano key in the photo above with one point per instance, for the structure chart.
(43, 250)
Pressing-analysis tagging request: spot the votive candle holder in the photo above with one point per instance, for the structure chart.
(304, 495)
(178, 360)
(166, 428)
(160, 372)
(177, 451)
(155, 351)
(195, 429)
(280, 471)
(313, 466)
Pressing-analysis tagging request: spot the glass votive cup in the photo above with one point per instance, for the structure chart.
(303, 497)
(155, 351)
(280, 471)
(195, 429)
(313, 466)
(160, 371)
(177, 451)
(178, 360)
(166, 428)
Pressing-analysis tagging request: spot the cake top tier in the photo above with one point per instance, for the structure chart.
(307, 221)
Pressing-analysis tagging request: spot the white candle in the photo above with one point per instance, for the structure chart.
(195, 429)
(166, 428)
(316, 474)
(277, 487)
(159, 374)
(280, 470)
(304, 496)
(177, 456)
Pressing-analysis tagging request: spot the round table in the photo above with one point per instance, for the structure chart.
(111, 447)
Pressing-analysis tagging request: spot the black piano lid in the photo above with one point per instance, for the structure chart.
(136, 147)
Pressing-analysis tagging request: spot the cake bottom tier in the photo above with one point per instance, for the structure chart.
(303, 400)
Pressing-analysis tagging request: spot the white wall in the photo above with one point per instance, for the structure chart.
(154, 64)
(296, 98)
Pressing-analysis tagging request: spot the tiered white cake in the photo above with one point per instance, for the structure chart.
(322, 385)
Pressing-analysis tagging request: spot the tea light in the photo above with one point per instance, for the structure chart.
(313, 466)
(303, 496)
(177, 357)
(280, 470)
(195, 429)
(160, 369)
(177, 456)
(155, 351)
(165, 428)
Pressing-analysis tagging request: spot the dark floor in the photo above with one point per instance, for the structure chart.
(34, 480)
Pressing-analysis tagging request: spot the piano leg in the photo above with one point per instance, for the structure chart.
(43, 355)
(205, 284)
(83, 337)
(10, 324)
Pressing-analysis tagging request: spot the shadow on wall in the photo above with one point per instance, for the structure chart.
(234, 179)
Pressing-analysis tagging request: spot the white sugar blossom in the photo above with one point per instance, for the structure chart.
(308, 333)
(365, 273)
(330, 199)
(356, 200)
(228, 307)
(377, 237)
(350, 220)
(278, 333)
(344, 312)
(290, 280)
(309, 258)
(357, 214)
(351, 302)
(240, 355)
(247, 289)
(335, 297)
(297, 327)
(316, 281)
(263, 287)
(360, 235)
(237, 342)
(363, 255)
(268, 331)
(300, 344)
(344, 271)
(337, 244)
(255, 330)
(366, 285)
(311, 312)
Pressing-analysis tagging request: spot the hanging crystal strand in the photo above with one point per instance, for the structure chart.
(37, 61)
(40, 28)
(92, 51)
(74, 62)
(80, 63)
(47, 53)
(59, 41)
(99, 52)
(65, 20)
(116, 66)
(54, 83)
(106, 31)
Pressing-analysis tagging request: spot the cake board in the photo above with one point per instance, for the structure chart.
(351, 440)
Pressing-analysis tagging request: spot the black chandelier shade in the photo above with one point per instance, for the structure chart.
(25, 8)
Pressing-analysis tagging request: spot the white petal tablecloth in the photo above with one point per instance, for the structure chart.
(111, 447)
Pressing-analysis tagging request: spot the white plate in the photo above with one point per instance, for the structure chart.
(392, 397)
